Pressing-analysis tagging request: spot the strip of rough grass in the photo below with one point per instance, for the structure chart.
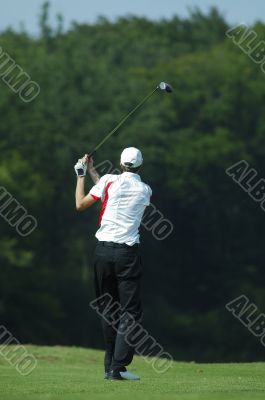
(77, 374)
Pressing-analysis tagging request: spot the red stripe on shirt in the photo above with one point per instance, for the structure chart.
(104, 204)
(95, 197)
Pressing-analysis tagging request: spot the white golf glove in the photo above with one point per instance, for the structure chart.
(80, 168)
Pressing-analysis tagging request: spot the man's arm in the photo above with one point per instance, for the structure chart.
(82, 201)
(93, 173)
(90, 166)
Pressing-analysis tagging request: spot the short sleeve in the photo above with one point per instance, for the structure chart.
(98, 191)
(149, 194)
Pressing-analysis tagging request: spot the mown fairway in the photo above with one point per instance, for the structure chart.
(77, 374)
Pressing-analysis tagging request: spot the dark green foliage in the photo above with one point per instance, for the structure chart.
(90, 77)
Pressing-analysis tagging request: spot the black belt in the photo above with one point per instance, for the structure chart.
(118, 245)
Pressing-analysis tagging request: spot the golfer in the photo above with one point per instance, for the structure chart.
(117, 262)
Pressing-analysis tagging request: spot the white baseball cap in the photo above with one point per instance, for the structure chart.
(131, 157)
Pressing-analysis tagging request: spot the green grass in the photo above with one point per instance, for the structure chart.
(77, 374)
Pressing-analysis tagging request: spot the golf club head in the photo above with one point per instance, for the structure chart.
(166, 87)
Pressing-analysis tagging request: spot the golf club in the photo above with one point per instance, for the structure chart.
(163, 86)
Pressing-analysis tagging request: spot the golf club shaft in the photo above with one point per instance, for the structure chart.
(124, 119)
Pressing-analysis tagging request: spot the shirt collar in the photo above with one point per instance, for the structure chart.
(132, 175)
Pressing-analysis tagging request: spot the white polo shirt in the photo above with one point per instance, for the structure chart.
(124, 198)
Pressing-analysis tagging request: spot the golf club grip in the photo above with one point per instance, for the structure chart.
(91, 153)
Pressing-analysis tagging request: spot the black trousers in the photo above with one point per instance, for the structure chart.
(118, 274)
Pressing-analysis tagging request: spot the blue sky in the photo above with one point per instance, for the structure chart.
(15, 11)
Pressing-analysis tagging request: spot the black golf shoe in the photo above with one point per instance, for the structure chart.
(114, 376)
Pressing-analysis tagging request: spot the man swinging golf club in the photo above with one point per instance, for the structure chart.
(117, 262)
